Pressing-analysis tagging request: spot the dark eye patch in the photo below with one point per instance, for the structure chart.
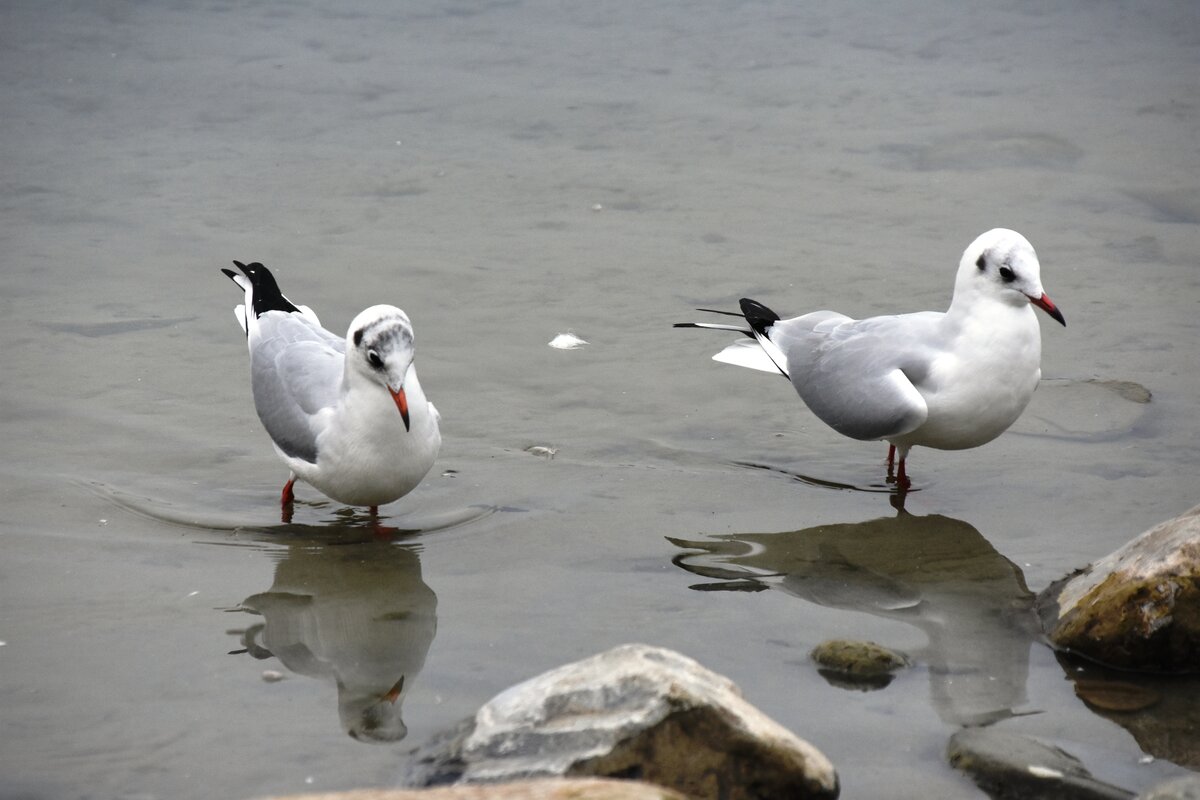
(1007, 275)
(375, 360)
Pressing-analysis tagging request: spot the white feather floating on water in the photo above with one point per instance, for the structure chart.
(566, 341)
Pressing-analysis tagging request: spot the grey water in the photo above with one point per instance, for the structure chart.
(506, 172)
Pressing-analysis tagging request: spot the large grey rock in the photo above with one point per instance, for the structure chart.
(546, 789)
(1012, 767)
(1137, 608)
(632, 712)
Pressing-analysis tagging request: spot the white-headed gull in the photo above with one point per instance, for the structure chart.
(347, 416)
(948, 380)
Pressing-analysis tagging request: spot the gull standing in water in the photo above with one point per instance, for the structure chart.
(347, 416)
(948, 380)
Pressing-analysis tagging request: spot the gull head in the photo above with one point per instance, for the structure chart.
(379, 348)
(1002, 265)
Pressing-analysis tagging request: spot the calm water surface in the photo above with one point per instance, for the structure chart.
(510, 171)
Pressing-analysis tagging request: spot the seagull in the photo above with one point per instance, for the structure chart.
(948, 380)
(347, 416)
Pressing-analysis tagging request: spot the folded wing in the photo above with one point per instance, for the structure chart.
(296, 371)
(857, 376)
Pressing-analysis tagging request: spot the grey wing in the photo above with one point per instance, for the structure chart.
(858, 376)
(296, 371)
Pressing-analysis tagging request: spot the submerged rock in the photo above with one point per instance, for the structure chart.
(632, 712)
(1012, 767)
(936, 573)
(1185, 788)
(1160, 711)
(857, 665)
(1137, 608)
(1118, 696)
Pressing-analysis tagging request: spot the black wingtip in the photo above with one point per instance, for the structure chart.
(759, 316)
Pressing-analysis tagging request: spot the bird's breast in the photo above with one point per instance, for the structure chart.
(979, 386)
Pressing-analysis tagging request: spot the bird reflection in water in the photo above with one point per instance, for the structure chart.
(358, 614)
(933, 572)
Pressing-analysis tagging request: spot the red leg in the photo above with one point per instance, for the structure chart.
(381, 531)
(897, 476)
(285, 501)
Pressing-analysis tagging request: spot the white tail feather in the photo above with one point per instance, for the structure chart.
(717, 326)
(747, 353)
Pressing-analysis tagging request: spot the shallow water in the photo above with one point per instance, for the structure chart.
(507, 172)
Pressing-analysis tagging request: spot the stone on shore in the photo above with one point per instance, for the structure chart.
(545, 789)
(636, 712)
(1137, 608)
(1012, 767)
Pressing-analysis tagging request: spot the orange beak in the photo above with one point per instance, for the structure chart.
(402, 402)
(393, 694)
(1047, 305)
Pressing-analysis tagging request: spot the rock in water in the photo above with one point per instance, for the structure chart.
(857, 665)
(632, 712)
(545, 789)
(1137, 608)
(1012, 767)
(1185, 788)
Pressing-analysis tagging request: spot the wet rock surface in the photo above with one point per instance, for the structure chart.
(1137, 608)
(857, 665)
(632, 712)
(1012, 767)
(546, 789)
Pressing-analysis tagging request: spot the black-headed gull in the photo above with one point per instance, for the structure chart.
(948, 380)
(351, 421)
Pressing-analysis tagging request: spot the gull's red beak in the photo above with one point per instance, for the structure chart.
(1047, 305)
(402, 400)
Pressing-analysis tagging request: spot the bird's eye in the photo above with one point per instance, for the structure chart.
(375, 360)
(1007, 275)
(981, 262)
